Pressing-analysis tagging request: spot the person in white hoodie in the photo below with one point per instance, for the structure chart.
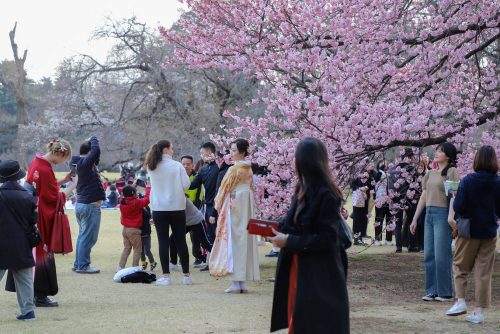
(169, 181)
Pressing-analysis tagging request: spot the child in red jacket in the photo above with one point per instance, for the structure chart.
(131, 219)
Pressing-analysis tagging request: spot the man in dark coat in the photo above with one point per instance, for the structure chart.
(321, 300)
(15, 252)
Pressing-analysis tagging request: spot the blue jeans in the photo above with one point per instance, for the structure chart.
(88, 217)
(437, 253)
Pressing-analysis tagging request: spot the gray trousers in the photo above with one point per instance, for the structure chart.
(23, 280)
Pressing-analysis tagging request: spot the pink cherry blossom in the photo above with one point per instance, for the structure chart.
(364, 76)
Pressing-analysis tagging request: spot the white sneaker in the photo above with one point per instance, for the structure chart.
(377, 243)
(457, 309)
(388, 243)
(163, 281)
(173, 267)
(476, 318)
(118, 269)
(186, 280)
(444, 299)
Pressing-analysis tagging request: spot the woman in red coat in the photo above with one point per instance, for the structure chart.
(42, 178)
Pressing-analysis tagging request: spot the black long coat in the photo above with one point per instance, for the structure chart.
(321, 302)
(15, 251)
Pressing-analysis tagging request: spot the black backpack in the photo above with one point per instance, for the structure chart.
(139, 277)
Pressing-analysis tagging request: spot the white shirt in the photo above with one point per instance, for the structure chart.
(169, 181)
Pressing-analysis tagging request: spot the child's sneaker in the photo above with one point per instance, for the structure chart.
(153, 266)
(118, 269)
(173, 267)
(144, 264)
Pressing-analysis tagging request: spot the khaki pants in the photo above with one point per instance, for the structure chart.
(480, 255)
(131, 239)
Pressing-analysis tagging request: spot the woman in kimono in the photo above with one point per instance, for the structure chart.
(235, 251)
(42, 178)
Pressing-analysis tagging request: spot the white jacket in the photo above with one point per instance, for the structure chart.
(169, 181)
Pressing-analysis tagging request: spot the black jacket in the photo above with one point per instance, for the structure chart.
(15, 251)
(321, 302)
(207, 176)
(478, 198)
(222, 172)
(89, 188)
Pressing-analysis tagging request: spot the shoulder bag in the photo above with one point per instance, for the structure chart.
(345, 233)
(463, 227)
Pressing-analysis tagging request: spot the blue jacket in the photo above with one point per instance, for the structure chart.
(89, 188)
(478, 198)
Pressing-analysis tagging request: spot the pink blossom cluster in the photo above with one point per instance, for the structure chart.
(364, 76)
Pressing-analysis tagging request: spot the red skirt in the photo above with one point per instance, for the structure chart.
(292, 289)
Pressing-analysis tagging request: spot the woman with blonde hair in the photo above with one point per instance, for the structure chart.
(43, 181)
(235, 251)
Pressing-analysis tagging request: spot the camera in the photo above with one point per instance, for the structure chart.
(73, 169)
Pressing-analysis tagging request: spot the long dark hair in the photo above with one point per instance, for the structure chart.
(155, 154)
(451, 152)
(311, 164)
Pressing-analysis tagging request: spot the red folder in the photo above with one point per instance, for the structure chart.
(262, 227)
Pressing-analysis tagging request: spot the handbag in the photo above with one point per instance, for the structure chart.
(463, 227)
(345, 233)
(358, 199)
(262, 227)
(60, 239)
(31, 231)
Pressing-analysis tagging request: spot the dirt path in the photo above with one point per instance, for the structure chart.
(385, 292)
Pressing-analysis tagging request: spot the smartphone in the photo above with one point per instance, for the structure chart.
(73, 169)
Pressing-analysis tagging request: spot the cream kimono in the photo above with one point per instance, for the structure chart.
(234, 250)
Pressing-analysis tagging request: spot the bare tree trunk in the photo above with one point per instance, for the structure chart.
(16, 87)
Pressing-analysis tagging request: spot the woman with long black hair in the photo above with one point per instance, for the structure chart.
(310, 293)
(437, 232)
(169, 181)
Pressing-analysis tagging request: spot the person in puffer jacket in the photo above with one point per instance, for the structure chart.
(131, 219)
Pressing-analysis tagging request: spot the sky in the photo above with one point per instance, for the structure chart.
(52, 30)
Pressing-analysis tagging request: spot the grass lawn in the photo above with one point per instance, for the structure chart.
(384, 292)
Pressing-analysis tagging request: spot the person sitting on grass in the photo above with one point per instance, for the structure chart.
(112, 198)
(131, 219)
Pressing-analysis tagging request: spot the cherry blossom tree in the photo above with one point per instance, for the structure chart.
(365, 76)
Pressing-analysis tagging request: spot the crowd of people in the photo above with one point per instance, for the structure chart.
(213, 201)
(411, 198)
